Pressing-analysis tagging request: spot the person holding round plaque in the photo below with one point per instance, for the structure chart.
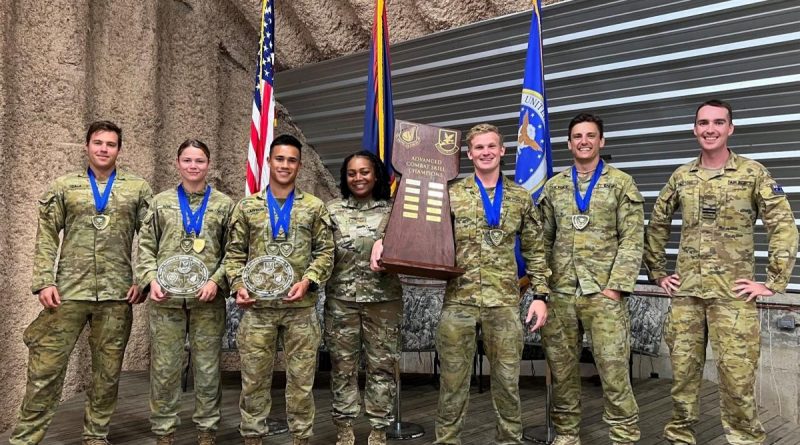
(82, 275)
(180, 262)
(280, 248)
(362, 306)
(594, 234)
(488, 211)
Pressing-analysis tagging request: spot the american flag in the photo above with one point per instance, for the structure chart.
(262, 128)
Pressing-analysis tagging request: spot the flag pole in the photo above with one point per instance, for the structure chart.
(533, 168)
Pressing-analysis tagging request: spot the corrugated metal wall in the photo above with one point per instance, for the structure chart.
(643, 65)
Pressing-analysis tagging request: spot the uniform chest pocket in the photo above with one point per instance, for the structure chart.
(603, 205)
(464, 218)
(510, 217)
(690, 202)
(738, 206)
(79, 200)
(215, 221)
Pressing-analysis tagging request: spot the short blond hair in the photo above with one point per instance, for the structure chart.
(481, 129)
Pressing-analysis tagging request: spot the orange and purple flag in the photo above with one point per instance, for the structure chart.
(379, 112)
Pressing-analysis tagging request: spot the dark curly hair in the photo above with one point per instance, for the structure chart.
(382, 189)
(585, 117)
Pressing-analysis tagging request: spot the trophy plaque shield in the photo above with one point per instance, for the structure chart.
(419, 237)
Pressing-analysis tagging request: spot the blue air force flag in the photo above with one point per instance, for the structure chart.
(534, 160)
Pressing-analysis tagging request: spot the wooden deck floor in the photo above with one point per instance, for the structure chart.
(130, 423)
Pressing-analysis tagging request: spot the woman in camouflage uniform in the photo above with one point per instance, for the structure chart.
(362, 306)
(180, 261)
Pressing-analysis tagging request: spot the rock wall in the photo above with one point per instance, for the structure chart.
(164, 71)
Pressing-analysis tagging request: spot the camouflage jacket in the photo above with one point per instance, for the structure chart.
(162, 232)
(719, 210)
(309, 233)
(93, 264)
(356, 226)
(605, 254)
(491, 271)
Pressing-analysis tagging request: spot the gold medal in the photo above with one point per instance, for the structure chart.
(198, 244)
(100, 221)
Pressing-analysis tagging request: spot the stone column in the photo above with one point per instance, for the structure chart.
(123, 88)
(44, 117)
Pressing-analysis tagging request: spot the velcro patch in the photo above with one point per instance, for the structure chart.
(777, 189)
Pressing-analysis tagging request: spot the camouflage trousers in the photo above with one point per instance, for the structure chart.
(456, 343)
(168, 327)
(376, 326)
(607, 323)
(50, 340)
(734, 330)
(257, 339)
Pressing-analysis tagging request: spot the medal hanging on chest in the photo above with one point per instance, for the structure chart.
(492, 210)
(280, 219)
(581, 220)
(192, 221)
(99, 219)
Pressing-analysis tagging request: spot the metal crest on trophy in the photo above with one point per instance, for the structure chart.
(419, 236)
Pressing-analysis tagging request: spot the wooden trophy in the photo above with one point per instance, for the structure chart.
(419, 237)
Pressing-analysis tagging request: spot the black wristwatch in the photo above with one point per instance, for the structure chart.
(312, 285)
(541, 297)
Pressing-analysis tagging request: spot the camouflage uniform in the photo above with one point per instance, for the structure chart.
(162, 232)
(486, 295)
(719, 209)
(267, 319)
(93, 276)
(607, 254)
(361, 307)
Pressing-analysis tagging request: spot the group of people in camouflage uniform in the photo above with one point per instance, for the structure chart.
(583, 242)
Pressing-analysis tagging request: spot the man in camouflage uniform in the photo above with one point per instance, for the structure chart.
(488, 293)
(93, 283)
(308, 248)
(162, 237)
(594, 268)
(362, 308)
(720, 195)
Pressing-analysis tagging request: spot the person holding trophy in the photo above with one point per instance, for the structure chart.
(181, 246)
(362, 306)
(280, 249)
(488, 211)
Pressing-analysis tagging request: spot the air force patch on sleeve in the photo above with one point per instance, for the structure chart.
(777, 189)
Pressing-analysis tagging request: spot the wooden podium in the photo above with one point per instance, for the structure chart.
(419, 236)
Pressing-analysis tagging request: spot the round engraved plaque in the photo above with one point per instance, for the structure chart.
(182, 274)
(268, 276)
